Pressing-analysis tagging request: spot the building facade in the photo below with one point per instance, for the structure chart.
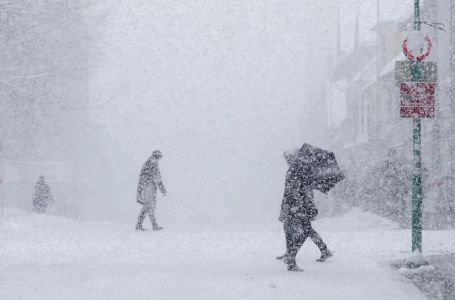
(373, 135)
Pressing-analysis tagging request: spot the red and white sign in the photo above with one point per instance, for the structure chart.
(417, 99)
(417, 56)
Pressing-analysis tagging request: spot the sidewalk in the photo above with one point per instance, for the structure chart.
(436, 280)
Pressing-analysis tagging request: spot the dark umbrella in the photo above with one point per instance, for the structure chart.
(318, 168)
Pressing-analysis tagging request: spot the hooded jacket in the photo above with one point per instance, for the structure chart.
(150, 177)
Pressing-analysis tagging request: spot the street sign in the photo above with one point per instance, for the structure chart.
(404, 72)
(416, 39)
(417, 99)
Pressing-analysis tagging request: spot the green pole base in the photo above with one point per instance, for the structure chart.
(416, 260)
(416, 265)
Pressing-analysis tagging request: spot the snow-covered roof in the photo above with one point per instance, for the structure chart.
(390, 66)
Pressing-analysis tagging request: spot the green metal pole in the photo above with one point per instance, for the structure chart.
(416, 138)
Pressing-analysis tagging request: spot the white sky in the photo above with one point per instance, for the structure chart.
(222, 88)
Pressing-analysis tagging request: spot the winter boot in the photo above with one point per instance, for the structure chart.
(325, 255)
(282, 257)
(294, 268)
(156, 227)
(140, 228)
(292, 265)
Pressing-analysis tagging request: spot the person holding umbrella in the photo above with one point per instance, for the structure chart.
(149, 182)
(290, 156)
(308, 169)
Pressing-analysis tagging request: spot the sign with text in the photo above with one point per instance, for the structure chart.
(403, 72)
(417, 99)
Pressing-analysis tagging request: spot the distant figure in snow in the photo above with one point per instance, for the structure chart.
(297, 211)
(149, 182)
(42, 196)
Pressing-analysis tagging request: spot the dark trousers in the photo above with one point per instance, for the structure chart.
(297, 230)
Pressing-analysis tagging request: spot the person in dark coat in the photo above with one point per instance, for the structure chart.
(297, 211)
(149, 182)
(42, 196)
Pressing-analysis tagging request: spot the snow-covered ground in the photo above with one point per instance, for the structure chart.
(47, 257)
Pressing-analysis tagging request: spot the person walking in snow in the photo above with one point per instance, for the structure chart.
(297, 211)
(149, 182)
(42, 196)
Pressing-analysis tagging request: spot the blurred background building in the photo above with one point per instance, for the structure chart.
(374, 144)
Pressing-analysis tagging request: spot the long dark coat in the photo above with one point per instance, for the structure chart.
(298, 200)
